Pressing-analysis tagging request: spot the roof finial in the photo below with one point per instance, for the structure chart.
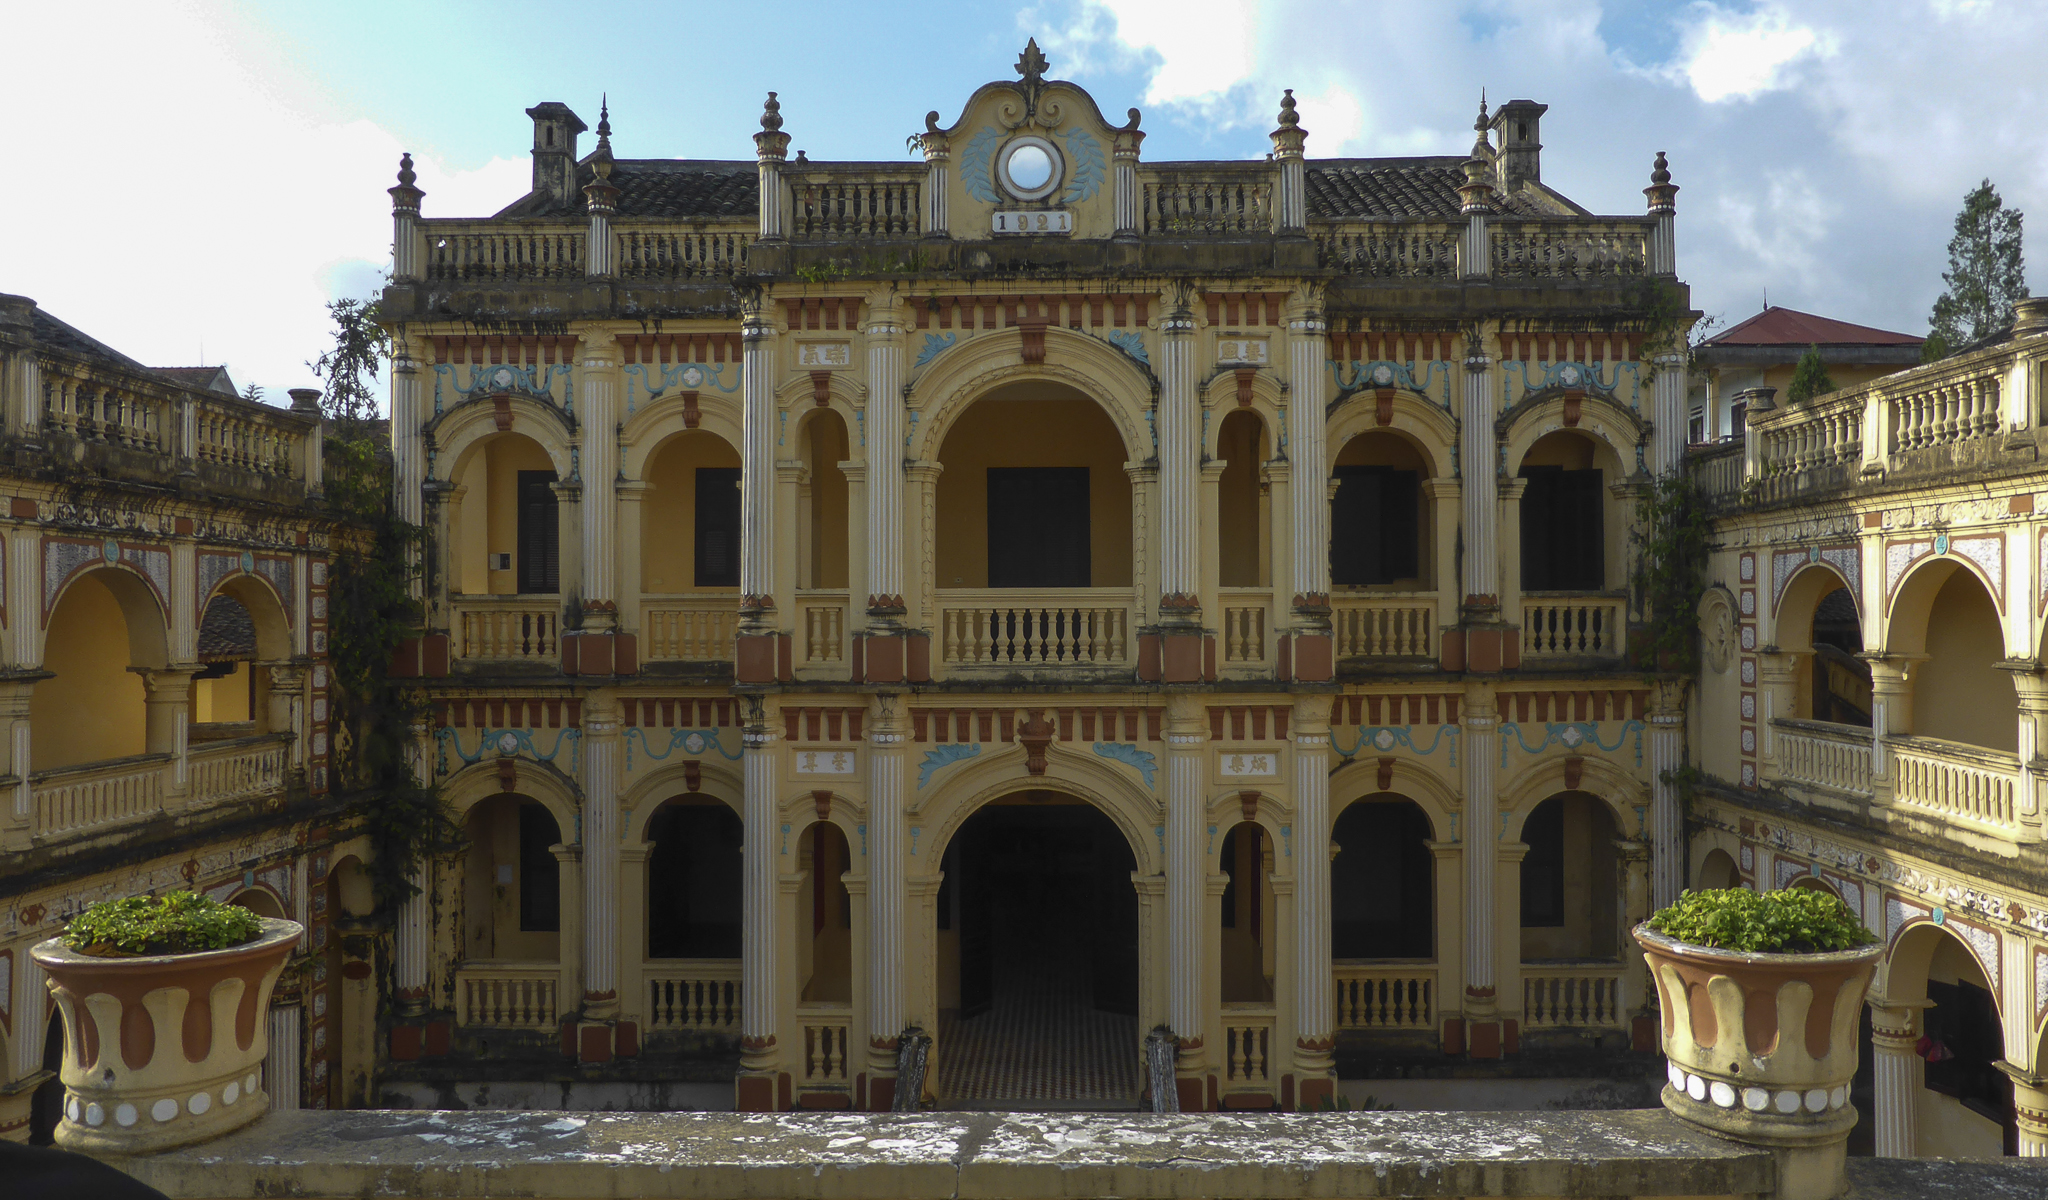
(406, 176)
(604, 120)
(1031, 64)
(1661, 171)
(771, 115)
(1482, 123)
(1288, 117)
(1662, 193)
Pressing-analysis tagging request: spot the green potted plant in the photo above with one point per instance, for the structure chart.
(165, 1002)
(1760, 995)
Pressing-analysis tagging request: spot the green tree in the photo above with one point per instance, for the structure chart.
(1986, 272)
(1809, 378)
(351, 366)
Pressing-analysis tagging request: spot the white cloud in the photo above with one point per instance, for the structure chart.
(1736, 56)
(213, 210)
(1203, 48)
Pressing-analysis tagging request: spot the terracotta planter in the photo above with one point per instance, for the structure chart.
(166, 1050)
(1762, 1047)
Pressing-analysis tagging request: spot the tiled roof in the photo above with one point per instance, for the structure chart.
(1359, 188)
(226, 631)
(57, 335)
(664, 187)
(1789, 327)
(203, 379)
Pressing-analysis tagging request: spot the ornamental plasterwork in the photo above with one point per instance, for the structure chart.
(1847, 562)
(2040, 982)
(1812, 529)
(1897, 557)
(1988, 553)
(60, 902)
(280, 573)
(1906, 878)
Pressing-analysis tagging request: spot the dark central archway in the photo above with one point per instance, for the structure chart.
(1038, 959)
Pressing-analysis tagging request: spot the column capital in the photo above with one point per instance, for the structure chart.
(600, 347)
(1311, 718)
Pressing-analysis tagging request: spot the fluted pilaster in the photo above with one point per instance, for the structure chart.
(1667, 819)
(1313, 1021)
(1309, 483)
(1481, 490)
(1481, 835)
(600, 858)
(757, 475)
(600, 461)
(407, 457)
(281, 1061)
(1898, 1075)
(886, 736)
(1187, 867)
(1180, 450)
(885, 456)
(759, 954)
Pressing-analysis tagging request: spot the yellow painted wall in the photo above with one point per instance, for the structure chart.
(668, 513)
(824, 439)
(1957, 693)
(223, 699)
(490, 908)
(504, 457)
(1031, 425)
(87, 649)
(1380, 449)
(1244, 554)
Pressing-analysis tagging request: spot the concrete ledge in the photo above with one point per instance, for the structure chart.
(1919, 1178)
(972, 1156)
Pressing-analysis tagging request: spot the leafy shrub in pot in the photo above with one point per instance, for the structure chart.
(1760, 994)
(165, 1003)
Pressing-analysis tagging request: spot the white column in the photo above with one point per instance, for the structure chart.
(1187, 866)
(1662, 195)
(281, 1061)
(30, 1001)
(1899, 1074)
(407, 459)
(405, 213)
(1670, 413)
(600, 858)
(1128, 197)
(1314, 1029)
(886, 849)
(771, 146)
(757, 462)
(184, 624)
(1476, 454)
(759, 954)
(1309, 483)
(938, 153)
(1287, 152)
(885, 455)
(1667, 821)
(2030, 1108)
(412, 940)
(1481, 835)
(600, 463)
(1180, 452)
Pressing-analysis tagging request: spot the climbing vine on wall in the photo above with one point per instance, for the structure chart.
(373, 575)
(1671, 537)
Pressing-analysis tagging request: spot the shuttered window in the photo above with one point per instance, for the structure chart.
(1374, 532)
(1564, 546)
(1038, 527)
(540, 558)
(718, 527)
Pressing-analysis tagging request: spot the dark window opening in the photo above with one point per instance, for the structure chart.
(1374, 527)
(718, 527)
(1841, 680)
(1563, 530)
(1038, 527)
(693, 882)
(1962, 1042)
(1229, 861)
(1543, 866)
(1382, 883)
(540, 890)
(540, 559)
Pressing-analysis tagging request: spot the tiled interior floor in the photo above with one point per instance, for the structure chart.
(1041, 1044)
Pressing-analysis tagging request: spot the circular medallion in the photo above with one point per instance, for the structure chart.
(508, 743)
(1383, 375)
(502, 377)
(111, 550)
(248, 563)
(1570, 376)
(692, 377)
(1030, 167)
(695, 743)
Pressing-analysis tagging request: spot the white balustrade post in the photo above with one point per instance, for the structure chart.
(1480, 833)
(1187, 870)
(600, 750)
(760, 954)
(1476, 199)
(1315, 1026)
(1287, 152)
(1667, 818)
(1662, 195)
(938, 156)
(405, 215)
(1899, 1074)
(1130, 199)
(886, 734)
(771, 147)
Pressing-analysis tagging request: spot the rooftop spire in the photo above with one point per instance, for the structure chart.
(604, 120)
(1288, 117)
(405, 198)
(1662, 193)
(1031, 64)
(771, 115)
(1482, 123)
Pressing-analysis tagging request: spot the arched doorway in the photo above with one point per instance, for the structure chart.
(1964, 1105)
(1383, 916)
(1717, 872)
(1037, 935)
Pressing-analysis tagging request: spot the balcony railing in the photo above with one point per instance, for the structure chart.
(825, 1048)
(508, 628)
(1575, 996)
(493, 251)
(226, 431)
(513, 995)
(252, 766)
(1038, 627)
(1716, 470)
(1213, 200)
(821, 626)
(1247, 1046)
(1822, 754)
(1573, 626)
(98, 796)
(1386, 996)
(692, 251)
(1968, 785)
(1247, 622)
(699, 994)
(1391, 249)
(1596, 248)
(1377, 626)
(1945, 411)
(697, 628)
(866, 202)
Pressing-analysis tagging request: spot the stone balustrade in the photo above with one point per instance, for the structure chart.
(1210, 201)
(508, 628)
(464, 251)
(701, 994)
(1003, 628)
(1389, 996)
(1372, 626)
(1570, 248)
(1390, 249)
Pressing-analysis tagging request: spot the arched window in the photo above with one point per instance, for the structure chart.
(1377, 519)
(1246, 857)
(1383, 882)
(1571, 883)
(826, 958)
(693, 881)
(1244, 504)
(1564, 504)
(512, 885)
(507, 522)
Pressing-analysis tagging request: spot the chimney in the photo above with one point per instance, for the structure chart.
(554, 149)
(1521, 143)
(2030, 316)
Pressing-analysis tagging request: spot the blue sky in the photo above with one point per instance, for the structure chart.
(207, 175)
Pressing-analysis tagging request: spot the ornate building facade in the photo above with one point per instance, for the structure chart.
(1028, 599)
(1869, 715)
(163, 591)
